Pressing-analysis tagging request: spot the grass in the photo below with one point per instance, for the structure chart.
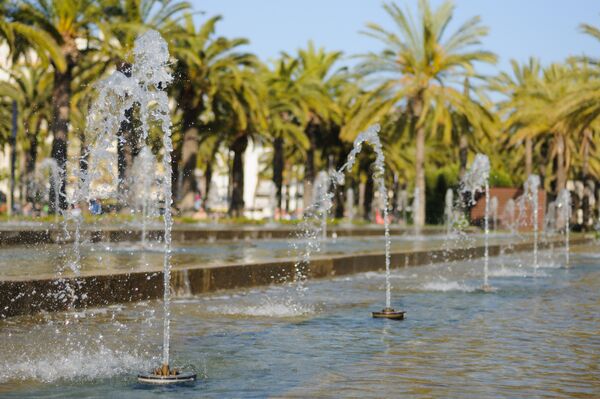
(111, 218)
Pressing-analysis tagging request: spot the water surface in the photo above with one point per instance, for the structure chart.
(536, 336)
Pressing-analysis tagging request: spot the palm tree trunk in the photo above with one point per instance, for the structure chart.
(236, 207)
(84, 156)
(463, 144)
(30, 161)
(208, 172)
(340, 202)
(278, 164)
(309, 166)
(189, 160)
(188, 186)
(126, 142)
(561, 173)
(368, 199)
(207, 181)
(544, 159)
(420, 176)
(127, 149)
(463, 153)
(528, 156)
(585, 148)
(287, 197)
(61, 98)
(417, 108)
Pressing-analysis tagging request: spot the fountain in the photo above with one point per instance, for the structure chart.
(272, 206)
(449, 210)
(145, 89)
(322, 184)
(509, 215)
(531, 192)
(550, 225)
(56, 178)
(310, 232)
(475, 180)
(402, 205)
(349, 206)
(564, 212)
(141, 187)
(415, 203)
(494, 211)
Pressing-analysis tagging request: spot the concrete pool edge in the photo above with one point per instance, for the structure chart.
(182, 233)
(21, 297)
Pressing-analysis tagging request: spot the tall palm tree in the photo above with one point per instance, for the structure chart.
(582, 108)
(541, 118)
(30, 86)
(470, 125)
(247, 120)
(518, 89)
(286, 117)
(124, 20)
(70, 24)
(422, 67)
(21, 37)
(210, 71)
(317, 78)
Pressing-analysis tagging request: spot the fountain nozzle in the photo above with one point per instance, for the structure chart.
(389, 313)
(165, 375)
(487, 288)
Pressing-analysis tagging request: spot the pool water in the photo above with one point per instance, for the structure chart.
(45, 260)
(537, 335)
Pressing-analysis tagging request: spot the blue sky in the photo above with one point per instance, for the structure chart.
(548, 29)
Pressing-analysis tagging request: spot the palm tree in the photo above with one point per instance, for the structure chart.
(581, 109)
(247, 120)
(30, 86)
(21, 37)
(286, 117)
(124, 21)
(470, 125)
(518, 90)
(421, 66)
(317, 80)
(211, 73)
(69, 23)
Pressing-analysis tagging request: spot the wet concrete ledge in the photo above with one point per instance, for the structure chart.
(182, 233)
(48, 295)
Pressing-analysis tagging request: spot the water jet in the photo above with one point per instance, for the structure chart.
(475, 180)
(145, 88)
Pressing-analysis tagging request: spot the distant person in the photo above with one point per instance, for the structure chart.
(95, 207)
(75, 211)
(197, 202)
(3, 202)
(28, 209)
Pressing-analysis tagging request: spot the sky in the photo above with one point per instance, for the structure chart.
(547, 29)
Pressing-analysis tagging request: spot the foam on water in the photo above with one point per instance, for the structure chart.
(380, 275)
(266, 309)
(75, 365)
(511, 272)
(446, 286)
